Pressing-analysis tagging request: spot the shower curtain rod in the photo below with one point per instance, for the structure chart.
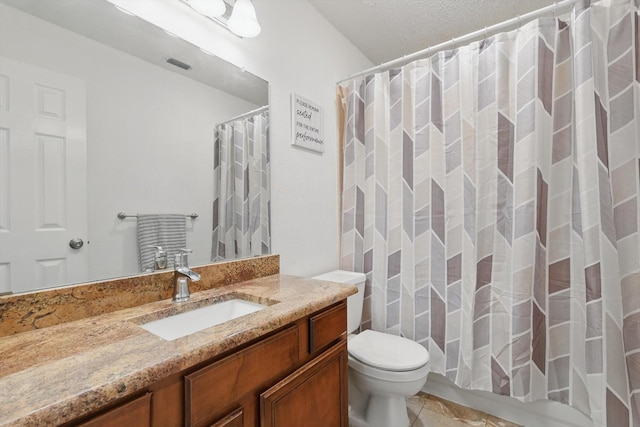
(247, 114)
(464, 39)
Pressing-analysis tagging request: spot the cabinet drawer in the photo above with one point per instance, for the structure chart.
(326, 327)
(214, 388)
(134, 413)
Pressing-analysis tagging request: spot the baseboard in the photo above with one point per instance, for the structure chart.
(543, 413)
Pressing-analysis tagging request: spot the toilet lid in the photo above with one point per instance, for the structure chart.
(388, 352)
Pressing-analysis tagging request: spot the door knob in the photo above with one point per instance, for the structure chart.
(76, 243)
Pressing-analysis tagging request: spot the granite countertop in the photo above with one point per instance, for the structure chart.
(56, 374)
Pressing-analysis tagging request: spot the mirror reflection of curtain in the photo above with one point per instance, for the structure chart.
(242, 195)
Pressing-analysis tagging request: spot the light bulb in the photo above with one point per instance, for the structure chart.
(210, 8)
(243, 20)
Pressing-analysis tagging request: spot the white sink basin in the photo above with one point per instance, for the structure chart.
(183, 324)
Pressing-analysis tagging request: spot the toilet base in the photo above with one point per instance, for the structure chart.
(376, 411)
(387, 411)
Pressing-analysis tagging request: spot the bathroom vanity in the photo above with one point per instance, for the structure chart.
(296, 373)
(281, 366)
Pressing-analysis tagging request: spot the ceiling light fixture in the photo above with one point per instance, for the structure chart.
(210, 8)
(243, 21)
(240, 18)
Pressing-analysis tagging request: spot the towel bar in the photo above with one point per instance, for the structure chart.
(122, 215)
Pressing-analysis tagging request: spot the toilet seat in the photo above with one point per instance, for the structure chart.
(388, 376)
(387, 352)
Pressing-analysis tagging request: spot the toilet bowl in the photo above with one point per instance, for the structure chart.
(384, 369)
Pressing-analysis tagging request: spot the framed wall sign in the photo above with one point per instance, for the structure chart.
(307, 124)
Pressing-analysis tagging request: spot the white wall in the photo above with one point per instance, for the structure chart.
(149, 138)
(297, 51)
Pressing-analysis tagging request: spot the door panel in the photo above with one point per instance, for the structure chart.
(43, 174)
(50, 184)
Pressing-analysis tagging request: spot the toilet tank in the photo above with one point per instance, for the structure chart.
(354, 302)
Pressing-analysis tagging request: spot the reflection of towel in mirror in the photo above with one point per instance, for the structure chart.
(168, 231)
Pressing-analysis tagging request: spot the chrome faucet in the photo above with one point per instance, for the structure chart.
(181, 276)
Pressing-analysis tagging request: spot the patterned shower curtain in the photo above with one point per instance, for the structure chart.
(491, 196)
(242, 190)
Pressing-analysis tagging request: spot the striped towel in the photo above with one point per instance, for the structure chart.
(168, 231)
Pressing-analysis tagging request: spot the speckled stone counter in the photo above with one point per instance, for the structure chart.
(56, 374)
(49, 307)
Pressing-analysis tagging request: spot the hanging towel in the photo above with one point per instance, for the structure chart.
(168, 231)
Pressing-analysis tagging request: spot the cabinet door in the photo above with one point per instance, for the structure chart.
(167, 404)
(234, 419)
(313, 396)
(212, 391)
(134, 413)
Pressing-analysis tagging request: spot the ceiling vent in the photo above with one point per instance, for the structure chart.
(179, 64)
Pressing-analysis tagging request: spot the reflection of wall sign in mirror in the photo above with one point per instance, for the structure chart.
(307, 124)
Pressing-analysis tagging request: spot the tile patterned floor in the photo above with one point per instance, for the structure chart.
(427, 410)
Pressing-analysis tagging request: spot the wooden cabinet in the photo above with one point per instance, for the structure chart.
(326, 326)
(211, 391)
(134, 413)
(167, 403)
(295, 376)
(313, 396)
(234, 419)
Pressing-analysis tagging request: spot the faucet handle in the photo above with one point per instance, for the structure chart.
(183, 253)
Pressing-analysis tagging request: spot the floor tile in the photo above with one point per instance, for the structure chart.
(499, 422)
(425, 419)
(427, 410)
(414, 406)
(452, 411)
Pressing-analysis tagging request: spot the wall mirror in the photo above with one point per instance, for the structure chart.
(100, 115)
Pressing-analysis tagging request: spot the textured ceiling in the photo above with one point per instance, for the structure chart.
(384, 30)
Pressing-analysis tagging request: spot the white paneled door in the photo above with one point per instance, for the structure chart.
(43, 190)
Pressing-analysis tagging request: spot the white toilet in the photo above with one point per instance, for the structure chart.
(384, 369)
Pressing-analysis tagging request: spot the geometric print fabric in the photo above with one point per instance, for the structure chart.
(491, 194)
(242, 195)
